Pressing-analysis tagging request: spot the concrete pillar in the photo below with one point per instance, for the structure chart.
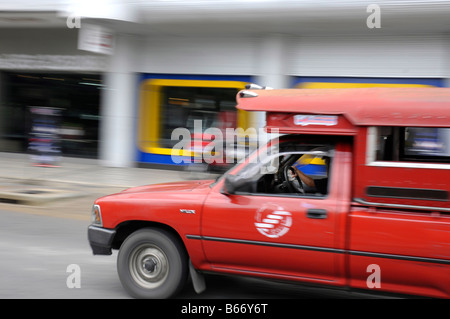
(2, 113)
(271, 67)
(118, 107)
(447, 61)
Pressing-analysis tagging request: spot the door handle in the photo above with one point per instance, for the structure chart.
(316, 213)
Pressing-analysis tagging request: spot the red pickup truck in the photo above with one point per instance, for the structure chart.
(373, 211)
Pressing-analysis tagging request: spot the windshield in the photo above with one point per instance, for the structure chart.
(269, 158)
(234, 167)
(270, 164)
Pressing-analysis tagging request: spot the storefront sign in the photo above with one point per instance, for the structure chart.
(96, 39)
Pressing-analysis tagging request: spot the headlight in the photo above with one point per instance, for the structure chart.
(96, 216)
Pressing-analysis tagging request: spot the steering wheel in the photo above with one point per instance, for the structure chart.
(293, 182)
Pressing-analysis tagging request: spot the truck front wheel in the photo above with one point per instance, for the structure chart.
(152, 264)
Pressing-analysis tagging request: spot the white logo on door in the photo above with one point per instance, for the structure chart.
(273, 222)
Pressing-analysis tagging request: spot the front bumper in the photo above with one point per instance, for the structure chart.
(101, 240)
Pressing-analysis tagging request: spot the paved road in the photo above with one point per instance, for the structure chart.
(36, 250)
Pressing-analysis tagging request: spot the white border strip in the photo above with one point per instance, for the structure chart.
(409, 165)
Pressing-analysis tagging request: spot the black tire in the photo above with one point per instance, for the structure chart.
(152, 264)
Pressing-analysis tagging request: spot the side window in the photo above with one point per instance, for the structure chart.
(386, 144)
(399, 160)
(410, 144)
(426, 144)
(294, 171)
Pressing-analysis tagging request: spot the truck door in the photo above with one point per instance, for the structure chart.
(261, 231)
(400, 251)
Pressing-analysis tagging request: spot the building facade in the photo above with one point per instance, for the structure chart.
(154, 66)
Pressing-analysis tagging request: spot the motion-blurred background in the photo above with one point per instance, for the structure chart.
(115, 77)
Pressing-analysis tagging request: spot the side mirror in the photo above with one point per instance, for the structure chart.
(232, 183)
(229, 187)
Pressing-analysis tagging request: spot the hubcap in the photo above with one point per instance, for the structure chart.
(148, 266)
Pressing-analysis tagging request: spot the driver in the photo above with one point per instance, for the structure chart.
(321, 184)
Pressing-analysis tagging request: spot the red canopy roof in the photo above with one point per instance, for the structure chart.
(367, 106)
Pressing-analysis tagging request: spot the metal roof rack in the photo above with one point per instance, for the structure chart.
(253, 86)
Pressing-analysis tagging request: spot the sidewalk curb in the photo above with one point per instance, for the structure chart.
(36, 196)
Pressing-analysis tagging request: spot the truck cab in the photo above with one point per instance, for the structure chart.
(352, 192)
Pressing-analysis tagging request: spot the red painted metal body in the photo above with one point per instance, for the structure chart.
(407, 239)
(361, 107)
